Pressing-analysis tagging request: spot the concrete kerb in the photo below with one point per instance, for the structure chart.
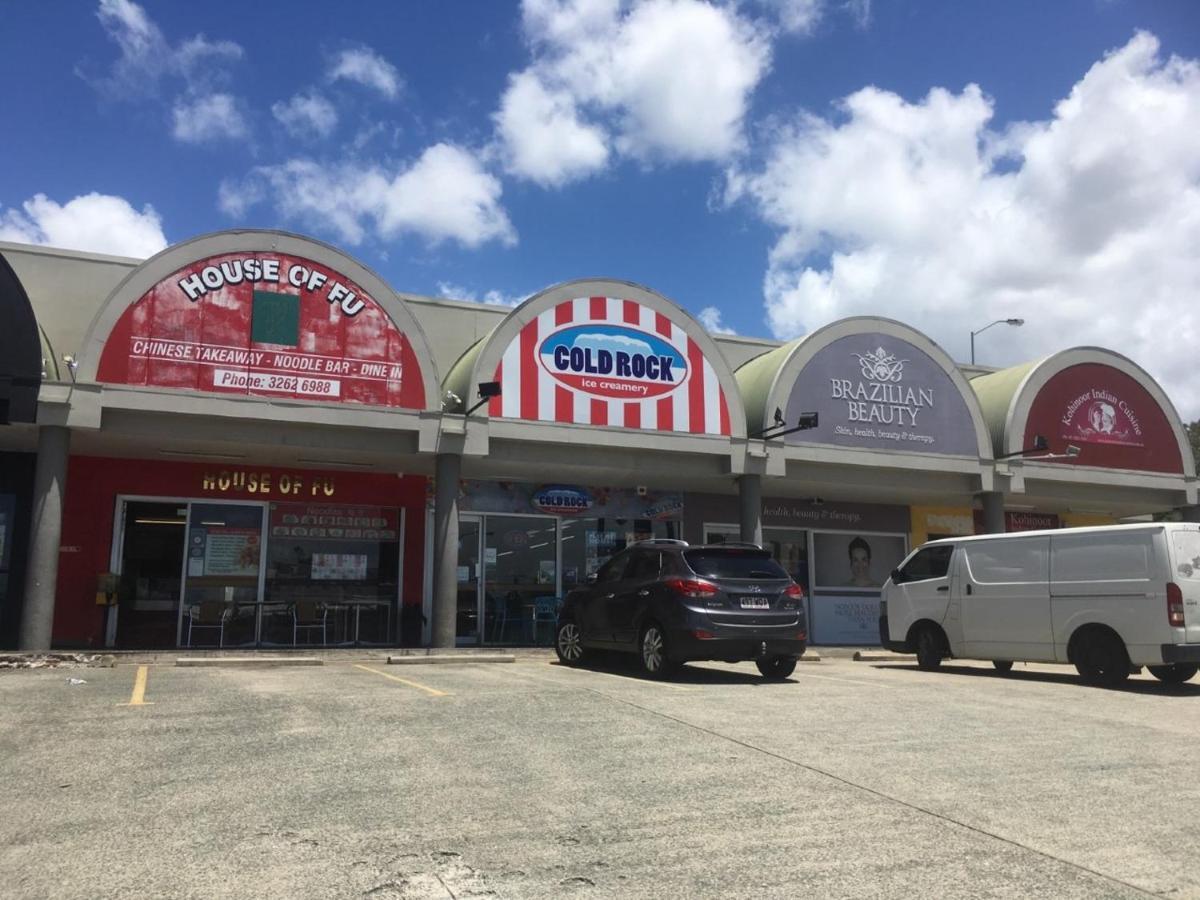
(246, 662)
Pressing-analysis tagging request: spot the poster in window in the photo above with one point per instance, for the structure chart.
(339, 566)
(849, 619)
(848, 561)
(231, 552)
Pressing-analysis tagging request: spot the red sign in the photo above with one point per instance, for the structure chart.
(1020, 521)
(1109, 416)
(326, 522)
(264, 324)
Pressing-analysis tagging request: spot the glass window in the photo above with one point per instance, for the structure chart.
(614, 569)
(1021, 561)
(734, 563)
(333, 574)
(1112, 556)
(1187, 554)
(588, 542)
(930, 562)
(645, 565)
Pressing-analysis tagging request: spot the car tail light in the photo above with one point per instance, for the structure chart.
(690, 587)
(1174, 605)
(794, 591)
(701, 635)
(801, 635)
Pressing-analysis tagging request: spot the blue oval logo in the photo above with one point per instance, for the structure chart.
(561, 500)
(613, 361)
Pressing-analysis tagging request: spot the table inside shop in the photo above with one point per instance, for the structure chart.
(343, 609)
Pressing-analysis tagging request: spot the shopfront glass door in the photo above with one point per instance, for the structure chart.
(520, 556)
(151, 567)
(469, 574)
(223, 575)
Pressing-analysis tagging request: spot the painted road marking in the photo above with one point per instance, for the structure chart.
(138, 697)
(434, 691)
(843, 680)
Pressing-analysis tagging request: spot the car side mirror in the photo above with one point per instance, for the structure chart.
(591, 577)
(897, 576)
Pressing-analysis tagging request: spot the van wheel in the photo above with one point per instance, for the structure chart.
(929, 648)
(1173, 674)
(1002, 665)
(1101, 659)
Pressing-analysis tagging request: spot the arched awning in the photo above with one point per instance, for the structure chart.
(264, 315)
(1113, 440)
(22, 351)
(604, 354)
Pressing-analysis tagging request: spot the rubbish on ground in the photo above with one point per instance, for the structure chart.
(75, 681)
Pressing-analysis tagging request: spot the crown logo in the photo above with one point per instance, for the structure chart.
(881, 365)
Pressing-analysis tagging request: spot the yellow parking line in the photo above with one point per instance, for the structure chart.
(138, 697)
(434, 691)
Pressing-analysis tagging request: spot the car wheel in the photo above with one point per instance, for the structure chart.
(1101, 659)
(652, 652)
(568, 644)
(776, 668)
(1173, 674)
(929, 648)
(1002, 665)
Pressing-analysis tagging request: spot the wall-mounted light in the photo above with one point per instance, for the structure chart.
(487, 390)
(1041, 447)
(72, 365)
(451, 401)
(804, 422)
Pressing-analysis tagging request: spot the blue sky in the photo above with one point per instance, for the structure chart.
(771, 165)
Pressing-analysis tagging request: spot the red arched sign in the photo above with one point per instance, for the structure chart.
(264, 324)
(1109, 416)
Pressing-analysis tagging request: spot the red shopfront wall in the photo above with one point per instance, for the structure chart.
(93, 484)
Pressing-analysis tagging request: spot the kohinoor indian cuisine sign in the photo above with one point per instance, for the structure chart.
(264, 324)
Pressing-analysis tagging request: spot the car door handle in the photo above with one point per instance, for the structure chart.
(944, 587)
(969, 591)
(609, 596)
(644, 592)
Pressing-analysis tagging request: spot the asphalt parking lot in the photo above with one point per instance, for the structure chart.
(529, 779)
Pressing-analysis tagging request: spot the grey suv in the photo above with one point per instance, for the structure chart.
(670, 603)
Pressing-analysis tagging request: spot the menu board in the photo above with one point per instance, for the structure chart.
(326, 522)
(231, 552)
(339, 567)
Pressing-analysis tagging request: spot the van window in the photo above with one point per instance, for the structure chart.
(1020, 561)
(930, 562)
(1102, 557)
(1187, 554)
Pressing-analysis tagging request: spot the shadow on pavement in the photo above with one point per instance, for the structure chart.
(625, 666)
(1067, 676)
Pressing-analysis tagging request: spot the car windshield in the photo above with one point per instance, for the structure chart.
(734, 563)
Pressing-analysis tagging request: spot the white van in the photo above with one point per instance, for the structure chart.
(1107, 599)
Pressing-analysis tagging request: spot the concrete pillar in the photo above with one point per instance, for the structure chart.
(41, 579)
(1191, 513)
(993, 512)
(445, 549)
(750, 493)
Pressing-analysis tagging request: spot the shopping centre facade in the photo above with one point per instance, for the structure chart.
(251, 439)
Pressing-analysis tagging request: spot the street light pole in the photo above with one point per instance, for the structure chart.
(1017, 322)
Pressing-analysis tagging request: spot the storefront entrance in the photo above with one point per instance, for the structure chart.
(507, 579)
(208, 573)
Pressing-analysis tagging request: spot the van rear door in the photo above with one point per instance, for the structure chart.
(1185, 563)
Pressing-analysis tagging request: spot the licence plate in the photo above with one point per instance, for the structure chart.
(756, 603)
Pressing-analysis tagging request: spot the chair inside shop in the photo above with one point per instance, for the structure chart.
(211, 615)
(309, 616)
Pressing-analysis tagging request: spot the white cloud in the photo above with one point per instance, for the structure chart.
(206, 119)
(444, 195)
(366, 67)
(654, 80)
(97, 223)
(710, 318)
(305, 115)
(547, 142)
(1085, 224)
(452, 291)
